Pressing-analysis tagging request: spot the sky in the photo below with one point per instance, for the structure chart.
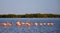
(29, 6)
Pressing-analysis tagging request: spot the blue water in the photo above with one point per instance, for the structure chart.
(33, 29)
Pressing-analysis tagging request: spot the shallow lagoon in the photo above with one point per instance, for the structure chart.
(32, 29)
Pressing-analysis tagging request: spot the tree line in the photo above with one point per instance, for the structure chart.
(31, 16)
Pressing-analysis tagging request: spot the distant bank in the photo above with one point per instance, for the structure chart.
(30, 16)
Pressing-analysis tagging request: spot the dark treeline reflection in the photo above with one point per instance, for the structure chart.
(31, 16)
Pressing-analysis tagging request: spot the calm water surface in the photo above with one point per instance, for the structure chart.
(33, 29)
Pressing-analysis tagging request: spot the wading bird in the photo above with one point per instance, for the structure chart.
(42, 24)
(35, 24)
(6, 24)
(28, 24)
(50, 24)
(19, 23)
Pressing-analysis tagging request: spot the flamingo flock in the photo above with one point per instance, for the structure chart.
(28, 24)
(6, 24)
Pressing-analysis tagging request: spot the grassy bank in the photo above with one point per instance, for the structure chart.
(30, 16)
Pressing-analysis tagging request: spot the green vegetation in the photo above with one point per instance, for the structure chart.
(31, 16)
